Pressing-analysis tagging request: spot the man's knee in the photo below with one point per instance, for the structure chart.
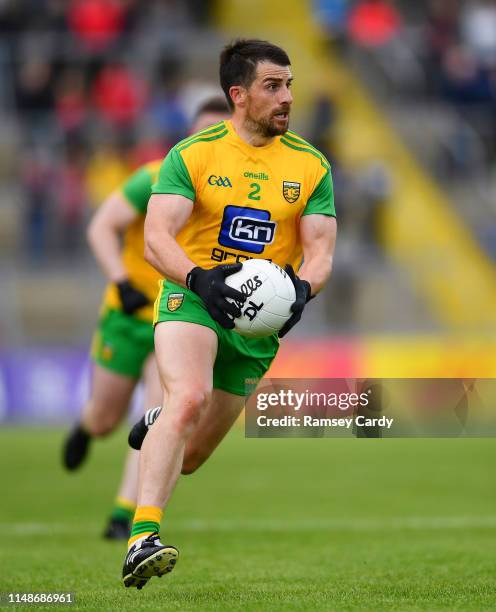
(191, 463)
(190, 404)
(100, 422)
(101, 428)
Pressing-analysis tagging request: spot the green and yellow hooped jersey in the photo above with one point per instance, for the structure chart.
(248, 201)
(137, 190)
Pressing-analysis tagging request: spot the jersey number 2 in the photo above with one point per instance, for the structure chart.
(253, 194)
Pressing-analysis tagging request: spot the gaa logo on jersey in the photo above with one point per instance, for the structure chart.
(291, 191)
(220, 181)
(246, 229)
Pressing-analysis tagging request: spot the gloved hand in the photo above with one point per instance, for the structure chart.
(210, 286)
(303, 295)
(131, 298)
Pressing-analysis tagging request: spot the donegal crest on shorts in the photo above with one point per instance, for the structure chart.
(107, 352)
(174, 301)
(291, 191)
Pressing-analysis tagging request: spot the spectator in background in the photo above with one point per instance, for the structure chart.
(119, 95)
(44, 15)
(65, 76)
(374, 23)
(332, 15)
(374, 184)
(165, 108)
(441, 33)
(11, 18)
(471, 88)
(322, 126)
(464, 80)
(441, 27)
(478, 29)
(36, 183)
(96, 24)
(34, 97)
(71, 104)
(71, 197)
(56, 15)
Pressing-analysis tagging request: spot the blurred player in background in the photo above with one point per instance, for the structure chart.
(242, 188)
(122, 349)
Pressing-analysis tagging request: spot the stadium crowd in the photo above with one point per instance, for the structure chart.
(436, 62)
(91, 89)
(95, 88)
(454, 42)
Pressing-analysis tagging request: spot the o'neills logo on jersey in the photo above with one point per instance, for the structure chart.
(291, 191)
(260, 176)
(220, 181)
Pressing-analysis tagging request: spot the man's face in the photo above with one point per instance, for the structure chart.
(269, 99)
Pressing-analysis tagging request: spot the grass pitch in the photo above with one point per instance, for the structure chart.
(317, 524)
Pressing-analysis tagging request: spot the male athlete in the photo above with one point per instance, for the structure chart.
(243, 188)
(122, 350)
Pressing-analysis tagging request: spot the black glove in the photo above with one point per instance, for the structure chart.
(131, 298)
(303, 295)
(210, 286)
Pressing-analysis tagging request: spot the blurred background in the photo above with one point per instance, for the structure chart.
(400, 96)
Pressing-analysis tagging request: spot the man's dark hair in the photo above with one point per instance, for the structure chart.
(239, 59)
(216, 104)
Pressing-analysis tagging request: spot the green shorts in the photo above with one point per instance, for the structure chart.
(241, 362)
(122, 343)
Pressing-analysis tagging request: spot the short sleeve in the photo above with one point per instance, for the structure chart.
(322, 199)
(137, 189)
(174, 177)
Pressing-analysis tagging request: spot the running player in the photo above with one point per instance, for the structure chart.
(240, 189)
(122, 350)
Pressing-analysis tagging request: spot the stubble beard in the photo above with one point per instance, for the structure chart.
(265, 127)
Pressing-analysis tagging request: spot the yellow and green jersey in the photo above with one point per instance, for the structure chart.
(248, 201)
(137, 190)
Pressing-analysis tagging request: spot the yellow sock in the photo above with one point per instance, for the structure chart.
(146, 521)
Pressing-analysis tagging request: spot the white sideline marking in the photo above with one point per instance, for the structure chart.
(274, 525)
(306, 524)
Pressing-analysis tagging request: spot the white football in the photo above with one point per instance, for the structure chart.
(269, 294)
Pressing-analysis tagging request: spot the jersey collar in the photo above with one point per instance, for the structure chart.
(245, 145)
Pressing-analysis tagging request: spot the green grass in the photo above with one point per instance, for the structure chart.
(317, 524)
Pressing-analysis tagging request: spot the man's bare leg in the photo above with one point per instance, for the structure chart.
(186, 375)
(152, 396)
(216, 420)
(109, 399)
(125, 503)
(147, 556)
(110, 396)
(185, 355)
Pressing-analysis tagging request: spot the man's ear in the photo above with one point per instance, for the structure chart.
(238, 95)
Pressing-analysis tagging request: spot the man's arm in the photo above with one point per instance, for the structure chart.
(166, 216)
(104, 232)
(318, 239)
